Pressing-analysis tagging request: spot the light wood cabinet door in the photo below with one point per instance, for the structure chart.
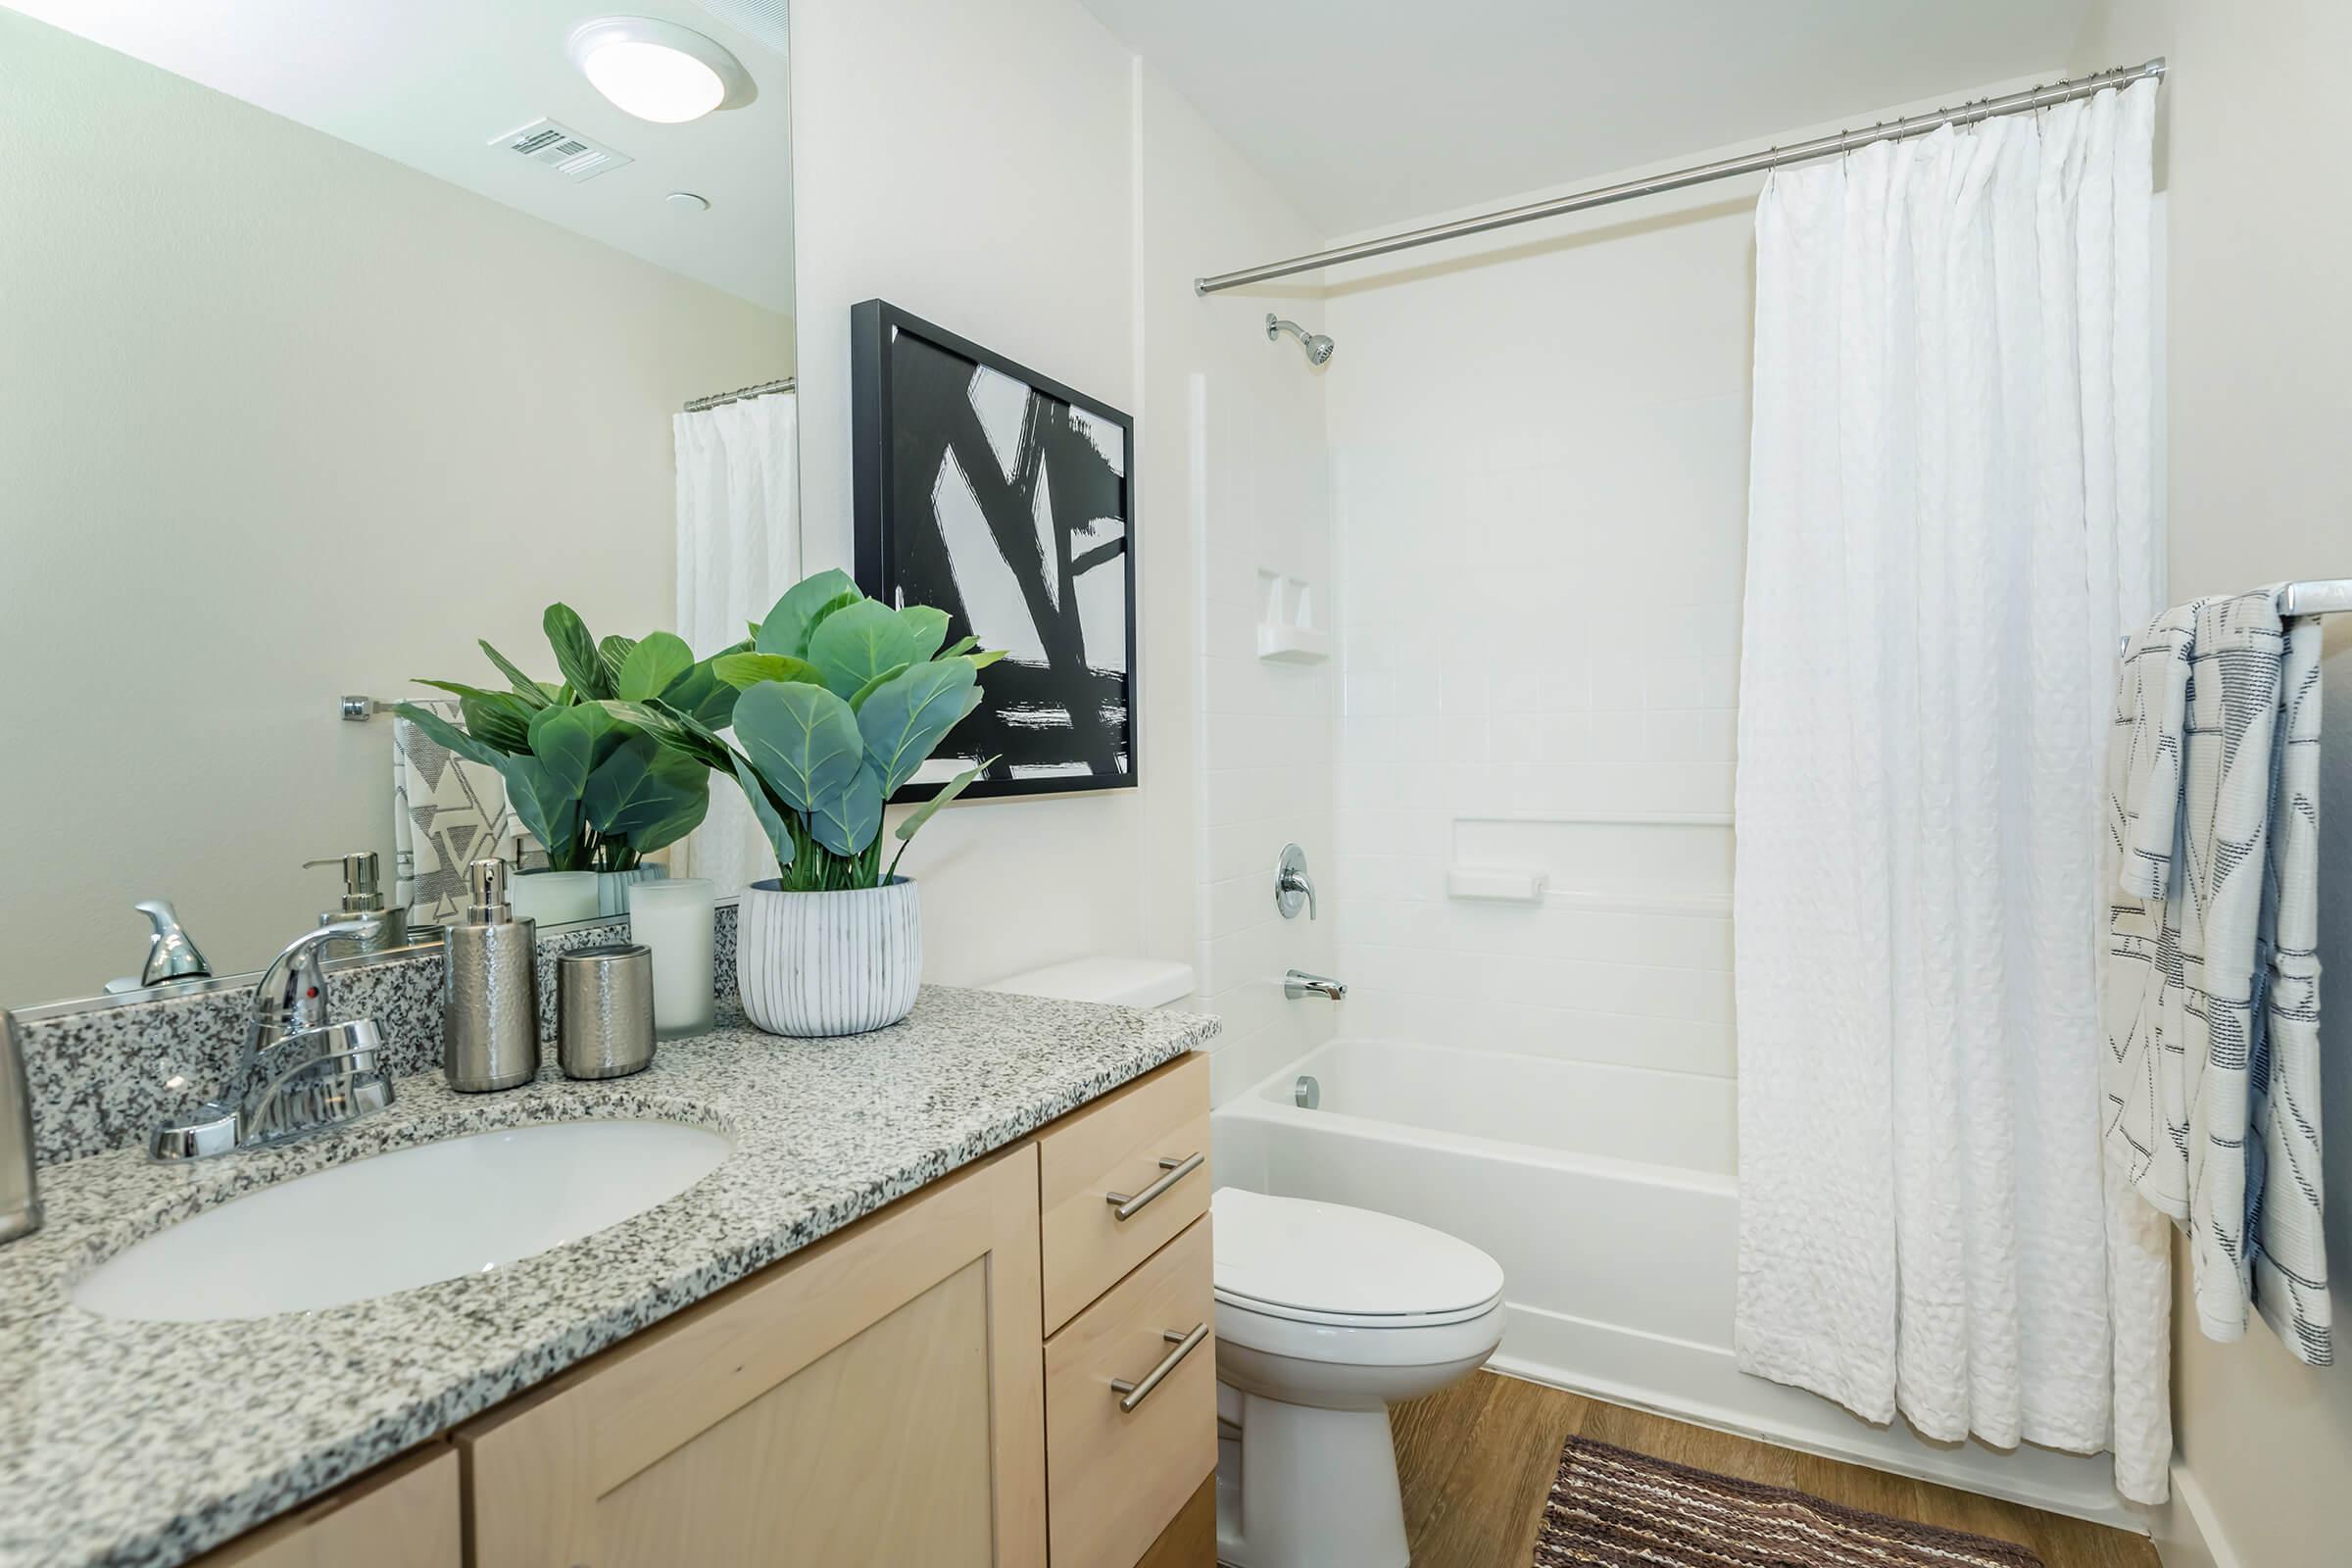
(1124, 1452)
(878, 1398)
(404, 1515)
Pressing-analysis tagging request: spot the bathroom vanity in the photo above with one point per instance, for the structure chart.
(947, 1301)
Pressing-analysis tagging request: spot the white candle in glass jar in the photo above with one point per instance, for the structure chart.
(674, 918)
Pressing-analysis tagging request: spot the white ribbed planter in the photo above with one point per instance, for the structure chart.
(828, 963)
(613, 887)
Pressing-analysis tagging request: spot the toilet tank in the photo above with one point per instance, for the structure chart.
(1128, 982)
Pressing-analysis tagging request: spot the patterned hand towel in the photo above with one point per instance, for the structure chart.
(2211, 985)
(446, 812)
(2285, 1181)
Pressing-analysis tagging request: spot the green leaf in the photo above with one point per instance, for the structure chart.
(924, 812)
(926, 627)
(764, 807)
(746, 670)
(449, 736)
(702, 696)
(802, 739)
(612, 654)
(548, 805)
(980, 661)
(576, 652)
(859, 697)
(498, 719)
(570, 743)
(526, 688)
(651, 794)
(860, 641)
(847, 822)
(804, 606)
(652, 666)
(964, 645)
(909, 715)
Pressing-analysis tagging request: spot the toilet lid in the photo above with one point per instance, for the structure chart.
(1295, 1258)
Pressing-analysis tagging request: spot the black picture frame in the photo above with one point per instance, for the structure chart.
(902, 426)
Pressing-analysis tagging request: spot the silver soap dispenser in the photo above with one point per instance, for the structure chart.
(489, 989)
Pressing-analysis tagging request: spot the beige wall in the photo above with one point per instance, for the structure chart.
(1008, 171)
(284, 419)
(2260, 329)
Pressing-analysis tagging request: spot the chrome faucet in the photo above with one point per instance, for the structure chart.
(1298, 983)
(171, 954)
(296, 1072)
(20, 1186)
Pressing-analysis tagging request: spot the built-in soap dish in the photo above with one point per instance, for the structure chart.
(1500, 884)
(1287, 633)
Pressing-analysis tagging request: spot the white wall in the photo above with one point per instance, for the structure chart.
(284, 419)
(2260, 396)
(1540, 448)
(1240, 420)
(1010, 173)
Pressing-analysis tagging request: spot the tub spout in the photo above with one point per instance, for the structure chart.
(1298, 983)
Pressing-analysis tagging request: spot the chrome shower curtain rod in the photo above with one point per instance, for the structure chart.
(740, 394)
(2016, 103)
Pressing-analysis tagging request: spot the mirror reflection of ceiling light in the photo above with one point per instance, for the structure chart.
(659, 71)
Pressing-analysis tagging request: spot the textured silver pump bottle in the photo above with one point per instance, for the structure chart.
(490, 990)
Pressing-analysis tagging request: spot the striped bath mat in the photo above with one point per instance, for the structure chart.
(1609, 1509)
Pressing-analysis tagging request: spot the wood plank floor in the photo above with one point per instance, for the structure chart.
(1477, 1461)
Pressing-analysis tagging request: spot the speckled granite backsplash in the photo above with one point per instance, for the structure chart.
(101, 1078)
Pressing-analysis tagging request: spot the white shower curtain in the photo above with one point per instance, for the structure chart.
(1951, 515)
(739, 546)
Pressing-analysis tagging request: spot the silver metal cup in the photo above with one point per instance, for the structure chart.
(604, 1011)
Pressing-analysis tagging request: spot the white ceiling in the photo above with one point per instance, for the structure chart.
(1368, 112)
(430, 82)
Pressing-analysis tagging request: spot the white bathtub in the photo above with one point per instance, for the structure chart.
(1607, 1194)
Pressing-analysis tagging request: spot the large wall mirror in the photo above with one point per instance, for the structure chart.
(335, 338)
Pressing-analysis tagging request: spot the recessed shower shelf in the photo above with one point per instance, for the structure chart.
(1286, 633)
(1291, 645)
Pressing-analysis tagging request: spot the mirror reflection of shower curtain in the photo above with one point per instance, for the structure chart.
(739, 546)
(1951, 516)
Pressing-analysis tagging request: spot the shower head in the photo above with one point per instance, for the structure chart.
(1318, 347)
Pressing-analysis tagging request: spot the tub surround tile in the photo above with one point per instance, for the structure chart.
(101, 1077)
(147, 1444)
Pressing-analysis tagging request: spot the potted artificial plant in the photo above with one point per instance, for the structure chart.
(839, 701)
(596, 790)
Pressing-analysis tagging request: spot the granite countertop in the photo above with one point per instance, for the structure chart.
(149, 1443)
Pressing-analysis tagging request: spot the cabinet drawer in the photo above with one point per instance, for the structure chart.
(1121, 1144)
(1116, 1475)
(404, 1515)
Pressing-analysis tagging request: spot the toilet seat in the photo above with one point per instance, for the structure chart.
(1330, 1266)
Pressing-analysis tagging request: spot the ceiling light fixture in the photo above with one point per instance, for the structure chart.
(659, 71)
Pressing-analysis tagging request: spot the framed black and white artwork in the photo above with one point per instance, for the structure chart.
(1006, 500)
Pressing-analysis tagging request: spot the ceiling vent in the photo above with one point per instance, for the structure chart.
(565, 151)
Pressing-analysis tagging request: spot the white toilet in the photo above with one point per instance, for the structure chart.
(1326, 1316)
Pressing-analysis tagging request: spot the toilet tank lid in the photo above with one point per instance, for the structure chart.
(1130, 982)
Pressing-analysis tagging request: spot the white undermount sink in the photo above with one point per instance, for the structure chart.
(395, 1221)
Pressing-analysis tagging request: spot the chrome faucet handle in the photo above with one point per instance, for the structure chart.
(171, 954)
(1292, 883)
(291, 996)
(294, 986)
(1298, 983)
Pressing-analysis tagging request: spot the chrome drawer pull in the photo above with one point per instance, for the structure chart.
(1136, 1393)
(1127, 1208)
